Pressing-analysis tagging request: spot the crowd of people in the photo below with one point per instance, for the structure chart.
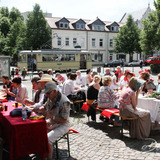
(53, 96)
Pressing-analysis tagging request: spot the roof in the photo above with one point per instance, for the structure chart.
(53, 51)
(52, 22)
(137, 15)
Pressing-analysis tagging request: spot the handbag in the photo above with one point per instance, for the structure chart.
(17, 112)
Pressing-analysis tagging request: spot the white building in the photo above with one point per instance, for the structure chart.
(95, 36)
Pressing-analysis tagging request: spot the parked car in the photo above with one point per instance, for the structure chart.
(152, 60)
(133, 63)
(114, 63)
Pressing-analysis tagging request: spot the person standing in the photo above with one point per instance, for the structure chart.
(141, 64)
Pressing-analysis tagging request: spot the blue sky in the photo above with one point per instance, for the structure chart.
(109, 10)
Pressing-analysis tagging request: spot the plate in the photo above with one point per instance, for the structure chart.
(36, 117)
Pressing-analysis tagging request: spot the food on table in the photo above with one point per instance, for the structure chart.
(154, 95)
(36, 117)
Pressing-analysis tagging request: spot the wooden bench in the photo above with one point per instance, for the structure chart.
(79, 105)
(65, 136)
(124, 119)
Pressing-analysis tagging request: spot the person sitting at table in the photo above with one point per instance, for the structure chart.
(22, 92)
(92, 95)
(56, 111)
(38, 95)
(69, 89)
(59, 78)
(140, 128)
(6, 81)
(148, 83)
(107, 73)
(126, 79)
(115, 80)
(40, 73)
(107, 97)
(88, 77)
(8, 84)
(80, 80)
(40, 98)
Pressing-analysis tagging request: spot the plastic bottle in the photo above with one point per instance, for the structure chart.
(24, 112)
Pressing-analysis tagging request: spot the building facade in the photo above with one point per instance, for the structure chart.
(96, 36)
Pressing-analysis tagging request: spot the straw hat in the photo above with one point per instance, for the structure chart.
(136, 83)
(46, 78)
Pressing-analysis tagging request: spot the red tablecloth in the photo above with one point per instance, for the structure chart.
(108, 112)
(23, 137)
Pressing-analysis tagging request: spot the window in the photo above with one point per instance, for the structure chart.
(98, 27)
(59, 42)
(63, 25)
(114, 28)
(111, 43)
(67, 42)
(22, 58)
(100, 57)
(101, 42)
(93, 42)
(58, 57)
(60, 25)
(74, 41)
(79, 26)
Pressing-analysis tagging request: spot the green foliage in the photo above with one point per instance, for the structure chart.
(14, 15)
(2, 43)
(38, 31)
(12, 40)
(155, 68)
(149, 38)
(127, 40)
(4, 11)
(4, 25)
(11, 29)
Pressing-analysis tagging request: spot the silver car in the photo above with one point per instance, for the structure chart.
(133, 63)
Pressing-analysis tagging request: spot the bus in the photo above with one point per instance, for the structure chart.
(58, 60)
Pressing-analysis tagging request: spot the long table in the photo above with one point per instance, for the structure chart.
(151, 104)
(23, 137)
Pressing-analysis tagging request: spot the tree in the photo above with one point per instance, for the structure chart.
(12, 40)
(127, 40)
(38, 31)
(11, 25)
(149, 37)
(2, 43)
(4, 11)
(4, 25)
(14, 15)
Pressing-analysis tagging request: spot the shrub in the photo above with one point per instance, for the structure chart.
(155, 68)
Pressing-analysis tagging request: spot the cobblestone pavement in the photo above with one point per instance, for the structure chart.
(101, 141)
